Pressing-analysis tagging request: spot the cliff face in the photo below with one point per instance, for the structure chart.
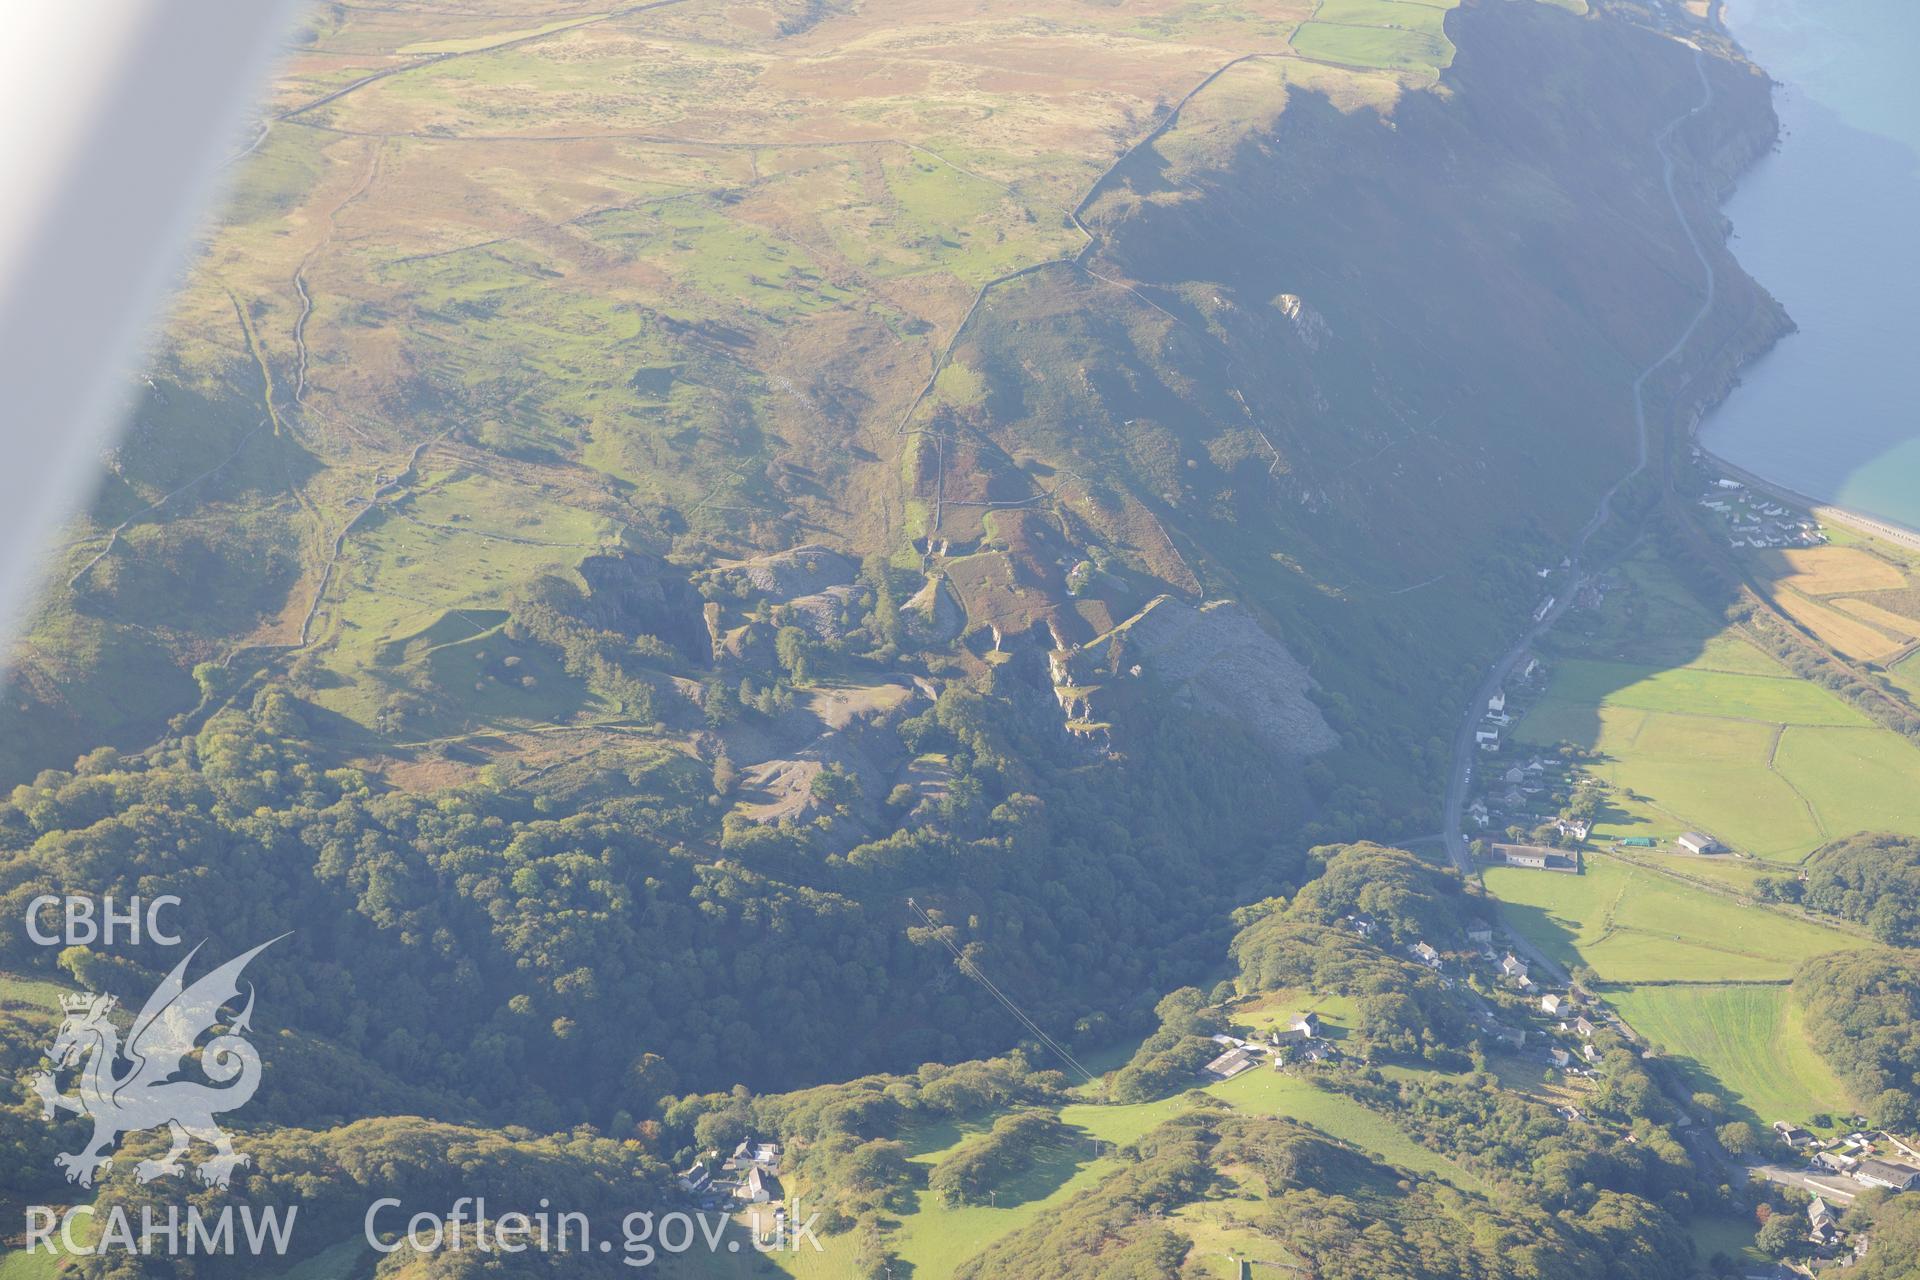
(1369, 369)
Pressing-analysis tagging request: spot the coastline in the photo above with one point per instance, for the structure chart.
(1862, 522)
(1846, 517)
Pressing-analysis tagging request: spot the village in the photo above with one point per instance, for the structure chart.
(1542, 802)
(1565, 1032)
(1751, 519)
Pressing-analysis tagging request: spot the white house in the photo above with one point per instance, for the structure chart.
(1498, 702)
(1551, 1003)
(1577, 828)
(757, 1187)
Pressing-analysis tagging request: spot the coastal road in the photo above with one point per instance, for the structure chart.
(1464, 749)
(1697, 1138)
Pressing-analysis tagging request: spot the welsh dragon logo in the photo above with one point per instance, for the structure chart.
(160, 1044)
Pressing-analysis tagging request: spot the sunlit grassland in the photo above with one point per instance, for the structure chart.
(936, 1239)
(1692, 690)
(433, 574)
(1855, 781)
(1396, 35)
(1631, 925)
(1672, 773)
(35, 993)
(1404, 15)
(1714, 871)
(731, 263)
(1746, 1042)
(1727, 741)
(964, 224)
(1276, 1011)
(1771, 790)
(1906, 674)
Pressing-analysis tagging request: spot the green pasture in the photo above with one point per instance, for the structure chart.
(1855, 780)
(936, 1239)
(1698, 691)
(418, 599)
(1715, 871)
(1631, 925)
(1733, 1236)
(1745, 1043)
(1396, 48)
(1427, 19)
(33, 993)
(1906, 674)
(1773, 766)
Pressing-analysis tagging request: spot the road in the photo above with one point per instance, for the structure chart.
(1831, 1186)
(1464, 748)
(1697, 1138)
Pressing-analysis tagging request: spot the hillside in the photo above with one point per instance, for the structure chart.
(493, 299)
(868, 576)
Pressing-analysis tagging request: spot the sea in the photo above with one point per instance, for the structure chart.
(1830, 224)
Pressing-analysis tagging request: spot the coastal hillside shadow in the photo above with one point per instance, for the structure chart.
(1636, 619)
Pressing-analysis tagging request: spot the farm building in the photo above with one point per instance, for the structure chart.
(1695, 842)
(1229, 1064)
(1537, 857)
(1883, 1173)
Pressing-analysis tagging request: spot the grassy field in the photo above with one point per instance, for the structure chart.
(1731, 1236)
(936, 1239)
(1773, 766)
(1631, 925)
(1391, 48)
(1854, 781)
(23, 1266)
(1745, 1042)
(1713, 872)
(1699, 690)
(1692, 726)
(35, 992)
(1906, 674)
(1832, 570)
